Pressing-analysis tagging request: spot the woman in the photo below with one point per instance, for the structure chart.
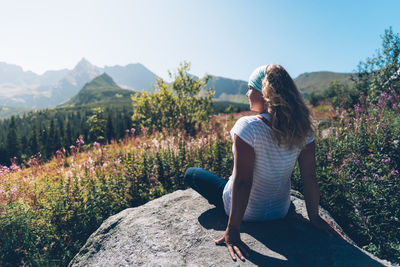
(266, 148)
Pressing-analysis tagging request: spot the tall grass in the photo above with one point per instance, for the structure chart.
(48, 211)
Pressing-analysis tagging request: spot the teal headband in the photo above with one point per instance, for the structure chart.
(257, 76)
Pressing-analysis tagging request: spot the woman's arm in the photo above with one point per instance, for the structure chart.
(307, 171)
(311, 190)
(244, 163)
(243, 180)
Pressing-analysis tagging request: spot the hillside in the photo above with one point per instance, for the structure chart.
(101, 88)
(319, 81)
(6, 111)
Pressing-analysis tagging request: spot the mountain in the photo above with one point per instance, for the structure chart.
(101, 88)
(227, 86)
(319, 81)
(51, 77)
(6, 112)
(14, 80)
(27, 89)
(73, 81)
(52, 88)
(132, 76)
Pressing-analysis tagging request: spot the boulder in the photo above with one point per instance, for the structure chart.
(179, 229)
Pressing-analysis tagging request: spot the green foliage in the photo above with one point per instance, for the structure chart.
(184, 103)
(97, 123)
(229, 107)
(340, 95)
(381, 72)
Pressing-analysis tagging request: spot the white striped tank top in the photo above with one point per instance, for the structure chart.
(270, 193)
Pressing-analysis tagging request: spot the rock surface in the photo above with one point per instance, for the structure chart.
(179, 229)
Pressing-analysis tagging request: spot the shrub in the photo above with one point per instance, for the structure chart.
(183, 103)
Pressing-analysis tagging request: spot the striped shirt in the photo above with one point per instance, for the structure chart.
(270, 193)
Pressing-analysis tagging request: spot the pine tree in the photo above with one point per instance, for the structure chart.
(33, 140)
(13, 145)
(110, 128)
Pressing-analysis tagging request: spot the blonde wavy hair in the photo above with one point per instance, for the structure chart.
(289, 116)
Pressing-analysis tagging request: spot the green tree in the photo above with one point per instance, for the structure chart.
(381, 72)
(110, 128)
(13, 144)
(33, 140)
(182, 103)
(96, 124)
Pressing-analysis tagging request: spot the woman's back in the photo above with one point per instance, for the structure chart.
(270, 194)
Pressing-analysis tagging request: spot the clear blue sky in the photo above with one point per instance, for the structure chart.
(225, 38)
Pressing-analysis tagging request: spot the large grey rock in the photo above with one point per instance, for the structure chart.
(179, 229)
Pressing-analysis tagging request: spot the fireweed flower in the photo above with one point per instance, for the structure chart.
(79, 141)
(370, 119)
(96, 145)
(6, 169)
(357, 109)
(386, 160)
(13, 193)
(394, 172)
(14, 168)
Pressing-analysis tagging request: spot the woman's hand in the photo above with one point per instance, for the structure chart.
(234, 244)
(323, 225)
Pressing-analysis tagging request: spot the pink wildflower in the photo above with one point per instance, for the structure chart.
(394, 172)
(357, 109)
(79, 141)
(13, 193)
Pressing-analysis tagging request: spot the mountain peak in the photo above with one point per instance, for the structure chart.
(84, 64)
(104, 79)
(101, 88)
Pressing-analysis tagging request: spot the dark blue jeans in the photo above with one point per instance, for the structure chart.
(207, 184)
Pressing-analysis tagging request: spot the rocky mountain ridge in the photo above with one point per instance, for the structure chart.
(27, 89)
